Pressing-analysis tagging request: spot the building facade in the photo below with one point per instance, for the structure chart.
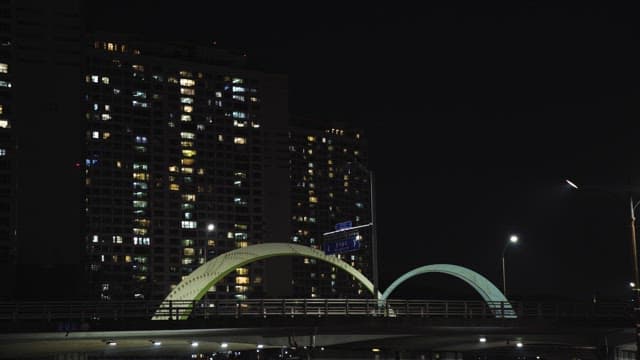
(329, 185)
(126, 163)
(181, 141)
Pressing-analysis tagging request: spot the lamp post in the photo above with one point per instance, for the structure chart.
(634, 253)
(512, 240)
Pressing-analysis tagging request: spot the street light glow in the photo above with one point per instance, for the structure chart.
(632, 284)
(571, 183)
(224, 345)
(211, 227)
(513, 239)
(519, 344)
(483, 339)
(194, 344)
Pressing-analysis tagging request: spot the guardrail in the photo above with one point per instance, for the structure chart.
(205, 309)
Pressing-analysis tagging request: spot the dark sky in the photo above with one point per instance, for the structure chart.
(475, 115)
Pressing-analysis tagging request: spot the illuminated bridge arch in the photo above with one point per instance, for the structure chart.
(494, 298)
(195, 285)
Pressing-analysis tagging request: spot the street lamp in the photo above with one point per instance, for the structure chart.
(635, 285)
(512, 240)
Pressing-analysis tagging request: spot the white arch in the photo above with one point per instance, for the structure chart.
(195, 285)
(494, 298)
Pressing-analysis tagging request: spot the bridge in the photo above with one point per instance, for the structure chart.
(37, 329)
(184, 323)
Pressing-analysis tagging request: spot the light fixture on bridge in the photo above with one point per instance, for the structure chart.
(156, 342)
(375, 350)
(111, 343)
(194, 344)
(482, 339)
(260, 346)
(519, 344)
(224, 345)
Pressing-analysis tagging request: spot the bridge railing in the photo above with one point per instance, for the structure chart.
(205, 309)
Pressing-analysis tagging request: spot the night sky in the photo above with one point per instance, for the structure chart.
(474, 115)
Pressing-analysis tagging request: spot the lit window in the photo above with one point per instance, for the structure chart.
(94, 238)
(137, 67)
(187, 108)
(95, 135)
(3, 152)
(238, 97)
(187, 82)
(186, 100)
(141, 240)
(139, 94)
(220, 138)
(4, 68)
(185, 118)
(174, 187)
(187, 91)
(189, 153)
(106, 117)
(239, 140)
(255, 125)
(237, 81)
(238, 89)
(240, 124)
(242, 280)
(105, 80)
(189, 224)
(4, 124)
(239, 115)
(139, 204)
(311, 138)
(139, 104)
(189, 197)
(5, 84)
(313, 199)
(94, 78)
(187, 135)
(141, 139)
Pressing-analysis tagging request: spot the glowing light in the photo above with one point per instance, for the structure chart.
(513, 239)
(519, 344)
(224, 345)
(194, 344)
(483, 339)
(571, 184)
(375, 350)
(211, 227)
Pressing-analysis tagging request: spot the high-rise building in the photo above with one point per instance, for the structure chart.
(329, 185)
(181, 142)
(138, 161)
(41, 143)
(8, 245)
